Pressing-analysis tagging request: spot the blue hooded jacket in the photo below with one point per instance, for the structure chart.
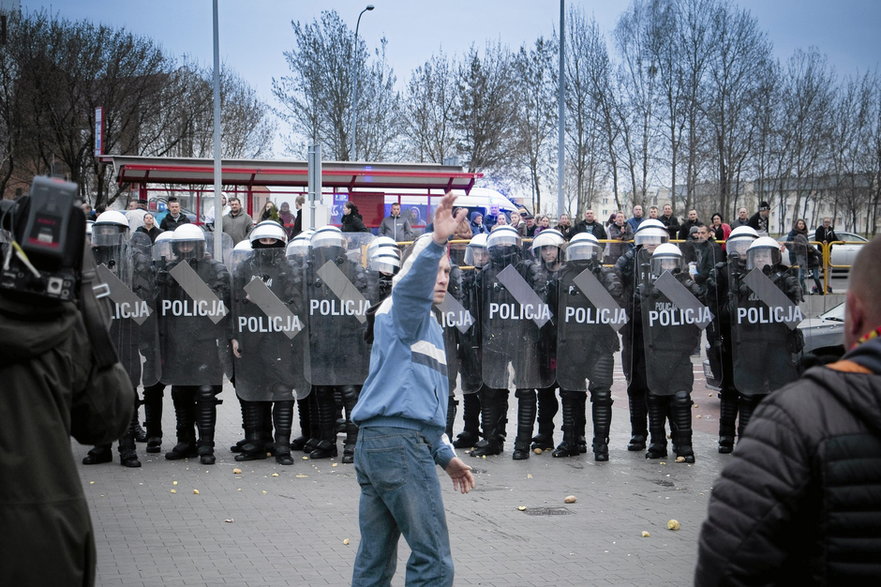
(407, 386)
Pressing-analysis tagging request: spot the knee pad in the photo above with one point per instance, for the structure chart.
(682, 398)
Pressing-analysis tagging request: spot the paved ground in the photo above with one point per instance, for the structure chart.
(275, 525)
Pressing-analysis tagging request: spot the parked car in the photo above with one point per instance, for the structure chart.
(824, 340)
(846, 254)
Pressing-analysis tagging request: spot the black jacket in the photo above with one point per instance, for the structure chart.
(169, 223)
(352, 222)
(800, 501)
(594, 228)
(51, 390)
(152, 233)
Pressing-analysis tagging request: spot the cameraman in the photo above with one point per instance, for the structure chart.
(53, 387)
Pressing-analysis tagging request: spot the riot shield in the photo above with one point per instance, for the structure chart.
(124, 266)
(513, 314)
(267, 315)
(335, 290)
(227, 246)
(192, 306)
(765, 315)
(672, 319)
(470, 338)
(589, 316)
(455, 320)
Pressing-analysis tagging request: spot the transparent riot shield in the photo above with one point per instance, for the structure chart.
(227, 246)
(124, 266)
(589, 316)
(337, 304)
(765, 316)
(193, 307)
(455, 320)
(672, 319)
(470, 338)
(513, 314)
(357, 244)
(267, 315)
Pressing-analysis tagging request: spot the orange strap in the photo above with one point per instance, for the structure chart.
(848, 366)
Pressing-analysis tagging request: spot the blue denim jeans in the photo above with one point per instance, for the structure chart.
(400, 494)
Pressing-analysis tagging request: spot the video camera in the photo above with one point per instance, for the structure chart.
(41, 240)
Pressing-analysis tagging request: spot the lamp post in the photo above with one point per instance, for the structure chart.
(352, 156)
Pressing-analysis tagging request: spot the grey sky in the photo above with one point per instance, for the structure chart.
(254, 33)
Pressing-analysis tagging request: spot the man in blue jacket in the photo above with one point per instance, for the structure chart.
(402, 413)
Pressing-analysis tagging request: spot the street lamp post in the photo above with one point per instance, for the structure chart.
(352, 155)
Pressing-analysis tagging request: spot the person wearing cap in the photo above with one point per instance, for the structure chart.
(759, 220)
(401, 413)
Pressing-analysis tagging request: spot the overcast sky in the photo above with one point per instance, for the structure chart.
(254, 33)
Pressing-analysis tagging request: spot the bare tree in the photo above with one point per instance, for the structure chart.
(429, 111)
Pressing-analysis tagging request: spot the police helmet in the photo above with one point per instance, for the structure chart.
(584, 247)
(763, 252)
(384, 261)
(328, 236)
(504, 236)
(476, 254)
(650, 223)
(739, 240)
(651, 235)
(383, 244)
(183, 236)
(548, 238)
(109, 229)
(299, 245)
(268, 229)
(162, 246)
(666, 257)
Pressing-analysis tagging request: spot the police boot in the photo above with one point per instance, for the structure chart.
(581, 424)
(526, 407)
(153, 416)
(547, 409)
(237, 447)
(283, 419)
(303, 413)
(266, 437)
(207, 419)
(601, 408)
(314, 423)
(128, 456)
(471, 415)
(492, 414)
(569, 446)
(452, 408)
(326, 446)
(185, 416)
(746, 404)
(98, 454)
(657, 408)
(252, 417)
(681, 405)
(638, 432)
(350, 398)
(727, 419)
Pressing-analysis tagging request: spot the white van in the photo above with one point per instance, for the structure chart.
(488, 202)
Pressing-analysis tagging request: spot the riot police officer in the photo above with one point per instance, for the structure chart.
(193, 311)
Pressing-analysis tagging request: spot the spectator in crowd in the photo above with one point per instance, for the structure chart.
(718, 229)
(590, 225)
(653, 212)
(670, 221)
(135, 214)
(619, 230)
(518, 223)
(149, 227)
(237, 224)
(175, 217)
(531, 226)
(742, 218)
(287, 219)
(298, 222)
(395, 227)
(759, 220)
(825, 234)
(635, 220)
(477, 225)
(544, 223)
(501, 220)
(89, 212)
(352, 220)
(565, 226)
(685, 229)
(270, 212)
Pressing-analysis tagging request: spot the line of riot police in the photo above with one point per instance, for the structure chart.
(289, 323)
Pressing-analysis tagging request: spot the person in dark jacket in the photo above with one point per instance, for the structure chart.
(53, 388)
(352, 221)
(759, 221)
(825, 234)
(149, 227)
(589, 225)
(800, 500)
(685, 228)
(477, 225)
(175, 217)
